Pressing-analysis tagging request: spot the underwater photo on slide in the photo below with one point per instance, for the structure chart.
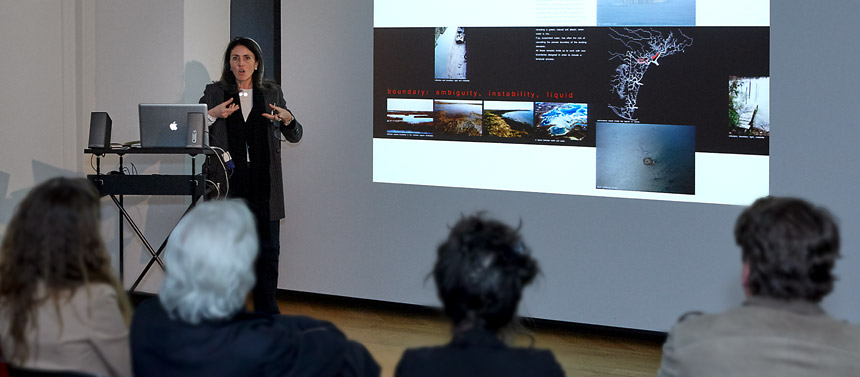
(508, 119)
(561, 121)
(458, 117)
(646, 12)
(749, 107)
(450, 53)
(646, 157)
(409, 117)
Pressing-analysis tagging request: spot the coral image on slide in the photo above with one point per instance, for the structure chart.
(567, 121)
(508, 119)
(648, 157)
(409, 117)
(458, 117)
(450, 53)
(643, 47)
(749, 106)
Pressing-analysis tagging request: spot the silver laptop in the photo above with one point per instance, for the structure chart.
(172, 125)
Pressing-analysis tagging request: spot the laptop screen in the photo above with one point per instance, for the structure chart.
(172, 125)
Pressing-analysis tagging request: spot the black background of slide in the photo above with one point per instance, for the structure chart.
(688, 88)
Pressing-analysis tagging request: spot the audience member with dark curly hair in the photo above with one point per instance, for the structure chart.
(480, 273)
(788, 247)
(61, 307)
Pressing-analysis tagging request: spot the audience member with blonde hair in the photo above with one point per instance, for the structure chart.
(61, 307)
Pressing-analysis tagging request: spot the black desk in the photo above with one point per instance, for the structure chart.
(118, 185)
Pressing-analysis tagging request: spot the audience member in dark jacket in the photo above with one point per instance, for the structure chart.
(197, 326)
(480, 273)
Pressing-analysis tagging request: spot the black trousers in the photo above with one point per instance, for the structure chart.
(266, 267)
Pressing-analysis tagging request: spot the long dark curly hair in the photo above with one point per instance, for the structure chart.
(53, 240)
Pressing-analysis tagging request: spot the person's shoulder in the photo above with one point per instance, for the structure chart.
(537, 353)
(695, 324)
(422, 352)
(150, 305)
(217, 86)
(302, 323)
(150, 313)
(536, 357)
(416, 361)
(100, 289)
(269, 87)
(740, 321)
(94, 295)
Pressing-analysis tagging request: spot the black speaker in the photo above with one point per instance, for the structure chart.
(99, 129)
(196, 125)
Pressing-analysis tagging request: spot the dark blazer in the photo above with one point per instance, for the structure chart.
(248, 344)
(218, 92)
(477, 353)
(763, 338)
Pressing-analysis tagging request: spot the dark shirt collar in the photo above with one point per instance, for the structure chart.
(802, 307)
(477, 337)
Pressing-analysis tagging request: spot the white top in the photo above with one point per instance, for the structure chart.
(246, 101)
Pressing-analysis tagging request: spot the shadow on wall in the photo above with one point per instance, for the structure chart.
(9, 201)
(7, 205)
(196, 79)
(159, 213)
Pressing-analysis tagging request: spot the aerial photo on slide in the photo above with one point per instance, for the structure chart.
(450, 53)
(458, 117)
(508, 119)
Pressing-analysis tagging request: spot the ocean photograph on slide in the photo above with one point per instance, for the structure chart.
(646, 12)
(508, 119)
(646, 157)
(749, 107)
(561, 121)
(450, 53)
(458, 117)
(409, 117)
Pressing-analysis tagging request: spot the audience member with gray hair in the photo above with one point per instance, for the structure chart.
(788, 248)
(198, 326)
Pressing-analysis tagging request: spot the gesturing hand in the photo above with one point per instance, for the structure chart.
(224, 109)
(279, 114)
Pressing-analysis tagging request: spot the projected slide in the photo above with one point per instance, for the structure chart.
(644, 99)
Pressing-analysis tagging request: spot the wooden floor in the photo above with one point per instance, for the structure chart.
(387, 329)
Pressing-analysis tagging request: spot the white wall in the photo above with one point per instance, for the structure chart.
(162, 51)
(40, 96)
(68, 58)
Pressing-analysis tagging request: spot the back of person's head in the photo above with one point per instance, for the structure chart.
(53, 241)
(480, 273)
(790, 247)
(210, 262)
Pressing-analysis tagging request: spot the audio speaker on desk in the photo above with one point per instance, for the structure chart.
(99, 129)
(196, 125)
